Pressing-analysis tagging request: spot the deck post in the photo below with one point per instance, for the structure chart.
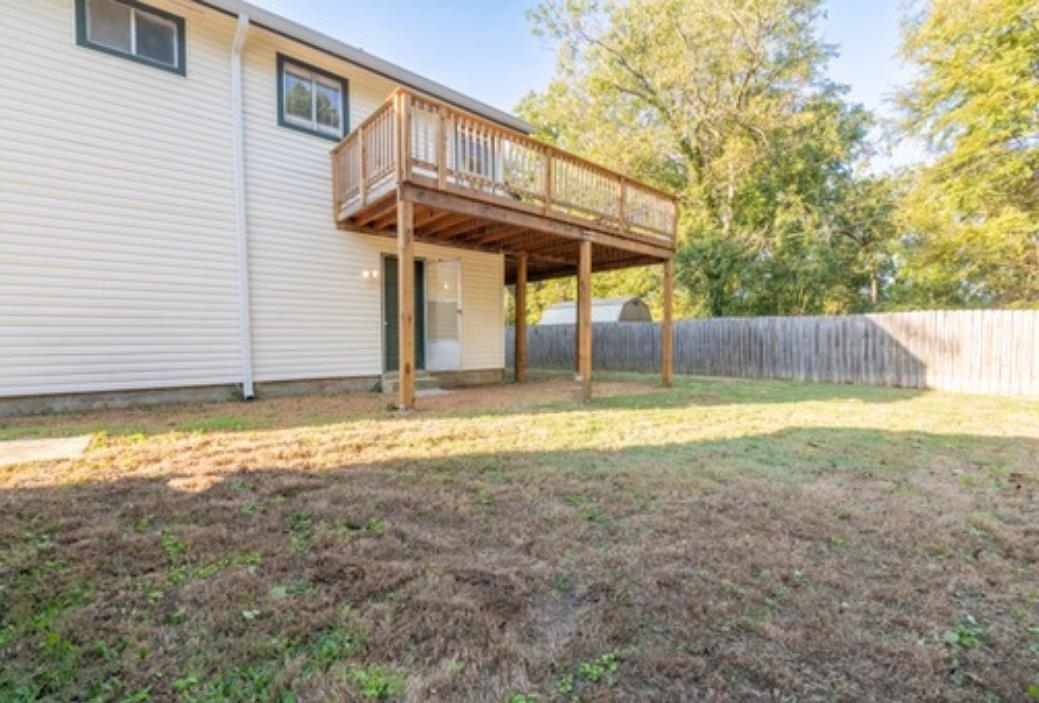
(667, 332)
(584, 320)
(406, 303)
(405, 136)
(577, 322)
(521, 318)
(398, 134)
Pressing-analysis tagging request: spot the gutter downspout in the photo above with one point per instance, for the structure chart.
(241, 212)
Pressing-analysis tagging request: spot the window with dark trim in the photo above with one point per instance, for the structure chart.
(134, 31)
(311, 100)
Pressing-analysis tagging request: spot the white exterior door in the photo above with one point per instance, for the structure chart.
(443, 315)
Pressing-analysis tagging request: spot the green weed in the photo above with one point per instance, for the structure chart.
(967, 634)
(377, 682)
(174, 547)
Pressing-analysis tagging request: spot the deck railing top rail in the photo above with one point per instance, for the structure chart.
(414, 138)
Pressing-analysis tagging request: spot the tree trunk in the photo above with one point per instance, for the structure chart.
(730, 196)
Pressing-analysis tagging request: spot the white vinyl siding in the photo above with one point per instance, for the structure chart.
(314, 314)
(117, 266)
(483, 311)
(117, 254)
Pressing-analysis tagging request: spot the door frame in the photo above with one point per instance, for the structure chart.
(383, 347)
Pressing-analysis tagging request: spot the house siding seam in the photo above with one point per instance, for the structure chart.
(117, 255)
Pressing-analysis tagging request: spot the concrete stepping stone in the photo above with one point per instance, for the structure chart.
(23, 451)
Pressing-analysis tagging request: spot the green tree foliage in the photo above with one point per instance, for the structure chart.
(724, 102)
(973, 214)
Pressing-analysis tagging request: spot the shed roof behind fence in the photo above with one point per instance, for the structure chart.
(630, 309)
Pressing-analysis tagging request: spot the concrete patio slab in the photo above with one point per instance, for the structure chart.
(22, 451)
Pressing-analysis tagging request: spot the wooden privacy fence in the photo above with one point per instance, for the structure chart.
(970, 351)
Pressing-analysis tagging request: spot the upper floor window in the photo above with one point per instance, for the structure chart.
(128, 28)
(311, 100)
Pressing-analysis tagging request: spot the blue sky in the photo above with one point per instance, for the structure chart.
(484, 48)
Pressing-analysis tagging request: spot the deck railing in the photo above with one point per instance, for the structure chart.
(413, 138)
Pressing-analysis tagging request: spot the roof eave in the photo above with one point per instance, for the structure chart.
(322, 42)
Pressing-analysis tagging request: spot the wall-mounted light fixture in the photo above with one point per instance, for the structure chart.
(370, 275)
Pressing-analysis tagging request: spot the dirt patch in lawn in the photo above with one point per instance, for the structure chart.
(714, 543)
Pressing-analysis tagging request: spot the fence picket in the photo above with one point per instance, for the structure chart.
(975, 351)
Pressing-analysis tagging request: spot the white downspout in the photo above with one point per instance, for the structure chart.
(241, 218)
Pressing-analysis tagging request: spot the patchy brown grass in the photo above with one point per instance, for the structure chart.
(725, 541)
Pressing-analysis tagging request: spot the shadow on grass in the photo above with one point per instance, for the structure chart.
(737, 568)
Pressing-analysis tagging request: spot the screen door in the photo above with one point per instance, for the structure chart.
(444, 315)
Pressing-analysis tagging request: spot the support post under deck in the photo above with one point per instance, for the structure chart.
(667, 332)
(584, 321)
(406, 303)
(521, 318)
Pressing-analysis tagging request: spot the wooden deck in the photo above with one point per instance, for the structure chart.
(421, 170)
(474, 184)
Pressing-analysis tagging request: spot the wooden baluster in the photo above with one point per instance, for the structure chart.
(499, 165)
(492, 160)
(674, 222)
(548, 180)
(620, 206)
(492, 146)
(481, 153)
(486, 159)
(461, 151)
(474, 154)
(362, 137)
(441, 149)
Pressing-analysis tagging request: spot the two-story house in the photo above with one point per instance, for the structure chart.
(201, 196)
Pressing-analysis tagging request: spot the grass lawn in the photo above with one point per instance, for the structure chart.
(727, 540)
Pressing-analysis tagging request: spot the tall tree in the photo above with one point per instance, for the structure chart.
(726, 102)
(973, 213)
(867, 221)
